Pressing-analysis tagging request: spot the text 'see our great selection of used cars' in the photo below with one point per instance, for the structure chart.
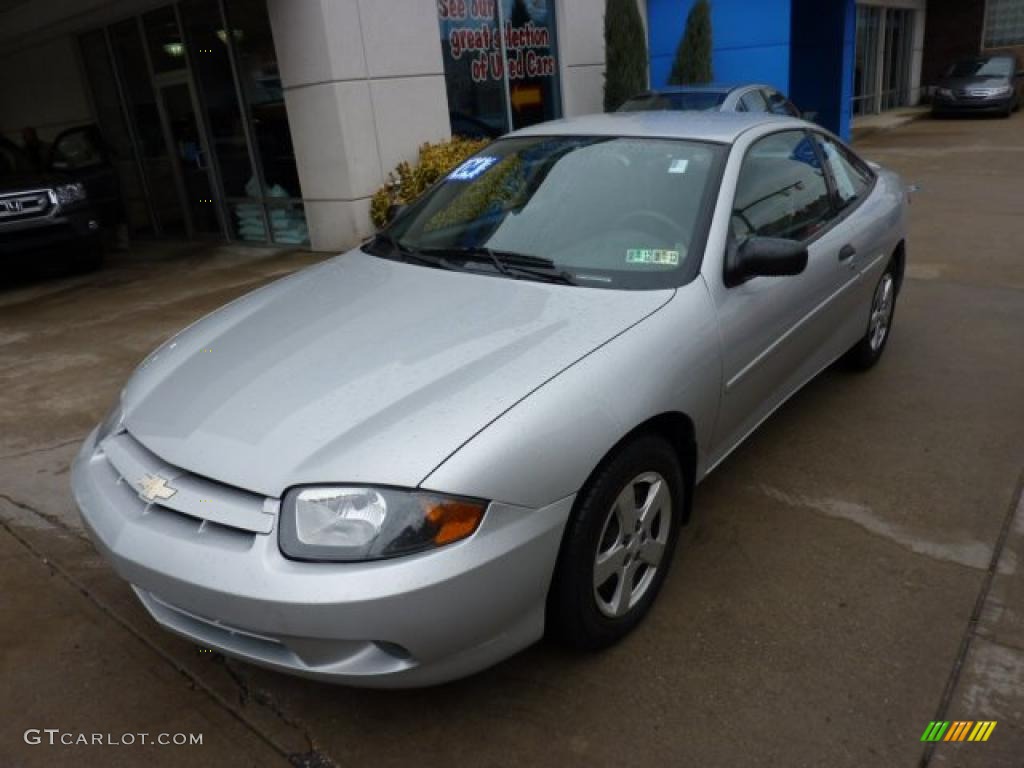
(412, 460)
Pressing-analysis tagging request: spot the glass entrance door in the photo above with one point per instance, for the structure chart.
(884, 53)
(898, 45)
(191, 157)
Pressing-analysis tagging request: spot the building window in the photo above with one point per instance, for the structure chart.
(1004, 23)
(500, 64)
(191, 94)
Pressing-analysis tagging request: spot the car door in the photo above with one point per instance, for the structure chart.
(777, 332)
(861, 242)
(81, 154)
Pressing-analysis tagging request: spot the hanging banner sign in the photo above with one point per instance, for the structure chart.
(527, 45)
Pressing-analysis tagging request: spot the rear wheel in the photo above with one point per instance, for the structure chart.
(866, 352)
(618, 546)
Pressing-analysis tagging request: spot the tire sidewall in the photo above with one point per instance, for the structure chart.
(862, 356)
(875, 354)
(577, 615)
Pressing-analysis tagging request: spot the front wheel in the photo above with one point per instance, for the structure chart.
(866, 352)
(618, 546)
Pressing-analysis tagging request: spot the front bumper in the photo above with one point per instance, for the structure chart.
(994, 104)
(410, 621)
(74, 227)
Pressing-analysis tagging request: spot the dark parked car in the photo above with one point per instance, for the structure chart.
(751, 97)
(62, 209)
(981, 84)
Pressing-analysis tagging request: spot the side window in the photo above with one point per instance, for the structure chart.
(779, 104)
(852, 177)
(781, 190)
(76, 149)
(753, 101)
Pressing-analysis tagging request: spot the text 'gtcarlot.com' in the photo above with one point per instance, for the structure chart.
(55, 736)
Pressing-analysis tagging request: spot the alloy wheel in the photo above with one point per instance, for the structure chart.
(881, 312)
(632, 544)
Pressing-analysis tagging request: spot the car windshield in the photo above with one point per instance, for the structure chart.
(685, 101)
(600, 211)
(981, 68)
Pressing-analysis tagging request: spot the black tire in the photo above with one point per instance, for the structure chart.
(574, 615)
(866, 352)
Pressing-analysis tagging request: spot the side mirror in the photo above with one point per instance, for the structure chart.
(764, 256)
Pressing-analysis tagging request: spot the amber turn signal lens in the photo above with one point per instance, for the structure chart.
(452, 520)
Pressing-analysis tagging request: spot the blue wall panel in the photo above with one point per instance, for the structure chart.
(761, 64)
(803, 47)
(750, 40)
(821, 60)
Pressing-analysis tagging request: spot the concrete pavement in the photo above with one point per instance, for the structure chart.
(852, 572)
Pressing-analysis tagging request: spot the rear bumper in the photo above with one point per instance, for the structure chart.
(76, 228)
(410, 621)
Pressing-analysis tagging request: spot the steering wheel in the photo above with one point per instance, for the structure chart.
(663, 225)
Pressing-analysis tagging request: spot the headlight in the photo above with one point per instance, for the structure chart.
(68, 194)
(1001, 90)
(112, 423)
(344, 524)
(945, 92)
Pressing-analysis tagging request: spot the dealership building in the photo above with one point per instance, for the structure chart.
(274, 121)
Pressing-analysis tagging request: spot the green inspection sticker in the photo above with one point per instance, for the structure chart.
(652, 256)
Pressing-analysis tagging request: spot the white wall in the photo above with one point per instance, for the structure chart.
(364, 87)
(581, 50)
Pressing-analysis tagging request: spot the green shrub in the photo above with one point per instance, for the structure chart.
(407, 182)
(693, 56)
(625, 53)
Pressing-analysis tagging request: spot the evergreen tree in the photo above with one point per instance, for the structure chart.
(625, 52)
(693, 57)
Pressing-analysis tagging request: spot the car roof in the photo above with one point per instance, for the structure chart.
(703, 88)
(722, 127)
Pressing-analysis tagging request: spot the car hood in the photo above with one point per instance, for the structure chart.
(361, 370)
(20, 182)
(974, 80)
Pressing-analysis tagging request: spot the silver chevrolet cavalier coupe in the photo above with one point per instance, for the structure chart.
(407, 463)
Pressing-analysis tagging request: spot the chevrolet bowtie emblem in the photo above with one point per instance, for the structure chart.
(153, 487)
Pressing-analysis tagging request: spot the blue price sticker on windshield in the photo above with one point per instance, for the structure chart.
(472, 168)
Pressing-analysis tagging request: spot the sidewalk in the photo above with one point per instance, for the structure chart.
(865, 125)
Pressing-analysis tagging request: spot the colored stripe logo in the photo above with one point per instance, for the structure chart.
(958, 730)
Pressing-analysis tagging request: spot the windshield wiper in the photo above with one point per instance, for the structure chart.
(412, 254)
(508, 263)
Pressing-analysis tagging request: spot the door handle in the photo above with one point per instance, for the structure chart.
(847, 252)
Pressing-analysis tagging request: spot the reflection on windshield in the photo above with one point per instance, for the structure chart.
(625, 209)
(655, 102)
(981, 68)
